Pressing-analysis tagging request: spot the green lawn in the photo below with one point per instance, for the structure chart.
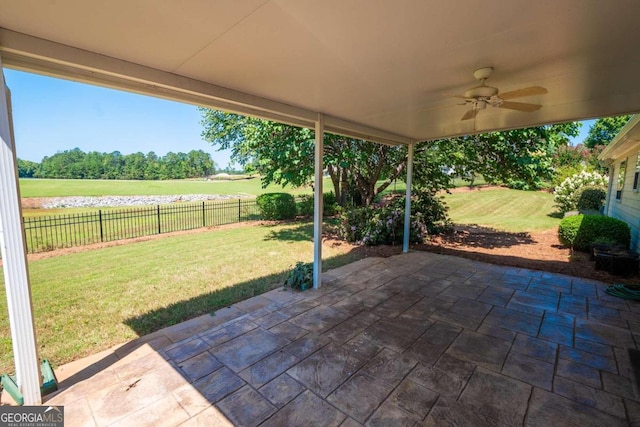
(89, 301)
(71, 228)
(506, 210)
(89, 187)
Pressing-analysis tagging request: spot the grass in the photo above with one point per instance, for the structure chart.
(89, 301)
(44, 233)
(505, 210)
(400, 187)
(95, 187)
(34, 213)
(89, 187)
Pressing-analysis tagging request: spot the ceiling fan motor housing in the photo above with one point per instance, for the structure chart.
(481, 92)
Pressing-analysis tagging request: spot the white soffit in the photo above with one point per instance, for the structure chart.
(626, 140)
(383, 65)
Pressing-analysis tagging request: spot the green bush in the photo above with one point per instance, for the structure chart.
(523, 185)
(384, 225)
(580, 231)
(276, 206)
(329, 205)
(564, 172)
(301, 277)
(590, 197)
(564, 194)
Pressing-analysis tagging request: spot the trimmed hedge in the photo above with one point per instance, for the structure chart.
(580, 231)
(590, 197)
(276, 206)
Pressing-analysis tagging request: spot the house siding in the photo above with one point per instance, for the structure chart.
(627, 208)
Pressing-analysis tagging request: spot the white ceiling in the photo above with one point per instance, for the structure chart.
(376, 64)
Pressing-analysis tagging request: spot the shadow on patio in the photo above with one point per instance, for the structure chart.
(414, 339)
(486, 237)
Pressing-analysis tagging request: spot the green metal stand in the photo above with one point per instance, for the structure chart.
(49, 383)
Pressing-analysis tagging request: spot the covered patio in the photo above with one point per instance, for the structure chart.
(414, 339)
(387, 72)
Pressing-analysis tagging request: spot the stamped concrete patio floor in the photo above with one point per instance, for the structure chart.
(415, 339)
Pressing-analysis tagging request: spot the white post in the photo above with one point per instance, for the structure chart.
(407, 204)
(610, 190)
(317, 204)
(14, 258)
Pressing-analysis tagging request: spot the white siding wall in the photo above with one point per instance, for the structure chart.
(627, 208)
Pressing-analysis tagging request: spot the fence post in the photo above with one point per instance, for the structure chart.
(239, 210)
(100, 220)
(204, 217)
(159, 229)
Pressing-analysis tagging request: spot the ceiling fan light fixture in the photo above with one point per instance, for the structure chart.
(480, 105)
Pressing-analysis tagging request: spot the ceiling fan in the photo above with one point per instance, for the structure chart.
(481, 96)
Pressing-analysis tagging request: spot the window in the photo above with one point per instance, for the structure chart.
(636, 175)
(621, 172)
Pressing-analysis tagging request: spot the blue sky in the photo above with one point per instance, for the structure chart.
(52, 115)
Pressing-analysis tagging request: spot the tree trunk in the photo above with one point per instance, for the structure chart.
(344, 187)
(335, 180)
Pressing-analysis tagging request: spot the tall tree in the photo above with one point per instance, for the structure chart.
(284, 154)
(521, 158)
(27, 169)
(604, 130)
(76, 164)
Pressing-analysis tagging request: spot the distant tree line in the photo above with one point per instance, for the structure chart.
(76, 164)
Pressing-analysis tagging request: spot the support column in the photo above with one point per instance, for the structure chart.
(610, 190)
(14, 258)
(407, 204)
(317, 204)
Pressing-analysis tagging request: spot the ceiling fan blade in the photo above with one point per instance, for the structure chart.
(470, 114)
(525, 91)
(520, 106)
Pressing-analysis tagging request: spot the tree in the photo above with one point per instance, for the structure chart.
(521, 158)
(134, 166)
(76, 164)
(152, 168)
(199, 164)
(284, 154)
(360, 170)
(27, 169)
(604, 130)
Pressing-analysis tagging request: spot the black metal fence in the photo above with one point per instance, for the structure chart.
(47, 233)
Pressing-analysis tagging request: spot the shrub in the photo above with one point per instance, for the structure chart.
(305, 205)
(329, 205)
(590, 197)
(301, 277)
(431, 207)
(354, 223)
(276, 206)
(522, 185)
(384, 225)
(564, 172)
(580, 231)
(564, 194)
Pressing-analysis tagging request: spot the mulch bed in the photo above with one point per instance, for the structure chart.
(536, 251)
